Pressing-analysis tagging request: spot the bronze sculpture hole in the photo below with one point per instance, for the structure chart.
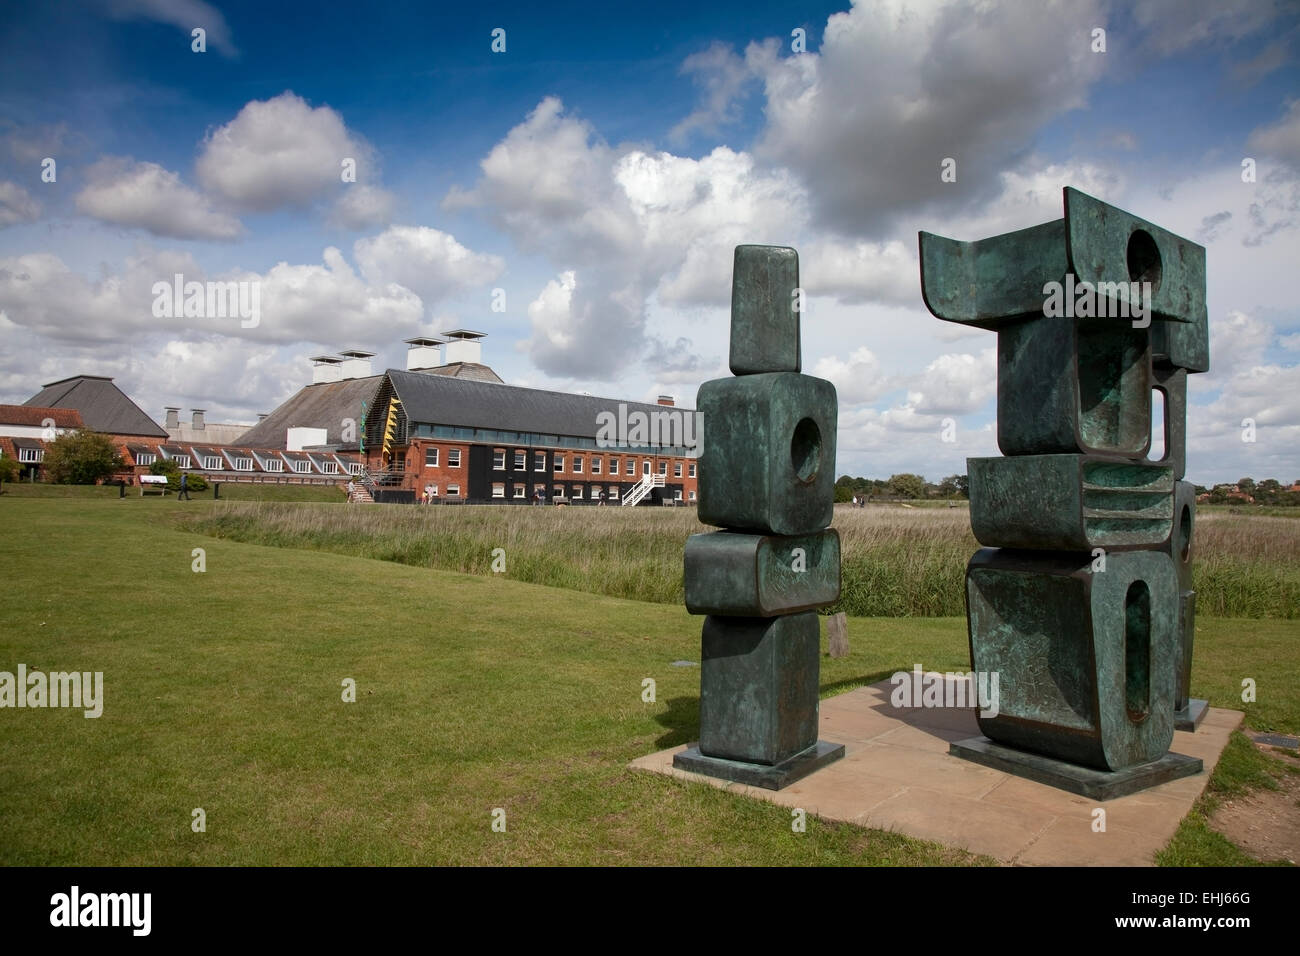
(806, 450)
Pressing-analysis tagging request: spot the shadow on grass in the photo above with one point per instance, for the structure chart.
(850, 683)
(682, 718)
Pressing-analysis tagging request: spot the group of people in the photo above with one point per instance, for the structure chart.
(859, 501)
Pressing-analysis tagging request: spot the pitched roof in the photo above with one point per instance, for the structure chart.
(437, 399)
(472, 370)
(324, 405)
(103, 406)
(35, 415)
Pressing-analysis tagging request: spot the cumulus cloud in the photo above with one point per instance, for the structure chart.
(857, 379)
(362, 206)
(147, 196)
(956, 384)
(182, 14)
(629, 223)
(897, 87)
(280, 152)
(17, 205)
(430, 262)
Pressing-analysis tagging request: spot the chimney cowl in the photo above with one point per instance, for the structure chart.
(667, 400)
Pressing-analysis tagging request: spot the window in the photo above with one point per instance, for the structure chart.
(144, 458)
(519, 491)
(243, 464)
(353, 467)
(677, 495)
(398, 464)
(595, 466)
(558, 492)
(453, 491)
(274, 464)
(577, 465)
(631, 466)
(520, 458)
(329, 467)
(677, 469)
(613, 466)
(498, 489)
(539, 461)
(431, 458)
(453, 461)
(211, 462)
(613, 492)
(301, 466)
(577, 492)
(692, 496)
(31, 454)
(183, 461)
(691, 472)
(663, 468)
(499, 459)
(559, 464)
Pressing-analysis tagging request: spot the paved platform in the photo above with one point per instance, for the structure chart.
(897, 775)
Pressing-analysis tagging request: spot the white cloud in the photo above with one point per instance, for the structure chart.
(956, 384)
(722, 75)
(17, 205)
(858, 379)
(898, 87)
(183, 14)
(430, 262)
(281, 152)
(147, 196)
(362, 206)
(1281, 139)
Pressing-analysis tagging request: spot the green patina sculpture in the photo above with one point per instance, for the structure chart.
(767, 478)
(1082, 598)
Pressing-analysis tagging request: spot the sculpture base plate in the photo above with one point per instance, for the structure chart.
(1086, 781)
(1190, 717)
(773, 777)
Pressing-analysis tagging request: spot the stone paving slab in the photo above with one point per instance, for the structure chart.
(897, 775)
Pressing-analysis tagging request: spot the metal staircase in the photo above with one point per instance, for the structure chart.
(642, 488)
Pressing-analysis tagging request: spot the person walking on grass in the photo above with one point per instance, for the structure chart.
(185, 487)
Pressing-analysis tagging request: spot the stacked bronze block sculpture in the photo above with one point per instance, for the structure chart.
(1081, 598)
(766, 478)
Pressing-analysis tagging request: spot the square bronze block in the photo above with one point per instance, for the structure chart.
(1070, 502)
(758, 687)
(768, 458)
(764, 323)
(1086, 659)
(749, 575)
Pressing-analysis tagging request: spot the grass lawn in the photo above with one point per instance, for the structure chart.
(223, 691)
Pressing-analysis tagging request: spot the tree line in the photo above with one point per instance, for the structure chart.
(904, 487)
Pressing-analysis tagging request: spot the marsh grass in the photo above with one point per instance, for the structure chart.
(896, 562)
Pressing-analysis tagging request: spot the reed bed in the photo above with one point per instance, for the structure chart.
(897, 562)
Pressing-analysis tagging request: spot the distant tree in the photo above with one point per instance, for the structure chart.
(81, 457)
(907, 486)
(9, 470)
(954, 486)
(1247, 485)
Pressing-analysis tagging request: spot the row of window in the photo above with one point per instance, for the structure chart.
(520, 492)
(579, 463)
(486, 435)
(431, 457)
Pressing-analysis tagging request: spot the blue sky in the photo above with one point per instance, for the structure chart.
(600, 171)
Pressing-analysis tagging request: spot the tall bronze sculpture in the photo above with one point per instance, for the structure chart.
(1081, 598)
(767, 478)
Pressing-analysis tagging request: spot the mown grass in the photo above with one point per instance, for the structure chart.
(223, 692)
(896, 562)
(232, 491)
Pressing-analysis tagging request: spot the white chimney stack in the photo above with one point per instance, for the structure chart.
(423, 353)
(463, 346)
(326, 369)
(173, 417)
(356, 363)
(197, 420)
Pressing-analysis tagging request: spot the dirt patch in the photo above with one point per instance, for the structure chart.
(1265, 824)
